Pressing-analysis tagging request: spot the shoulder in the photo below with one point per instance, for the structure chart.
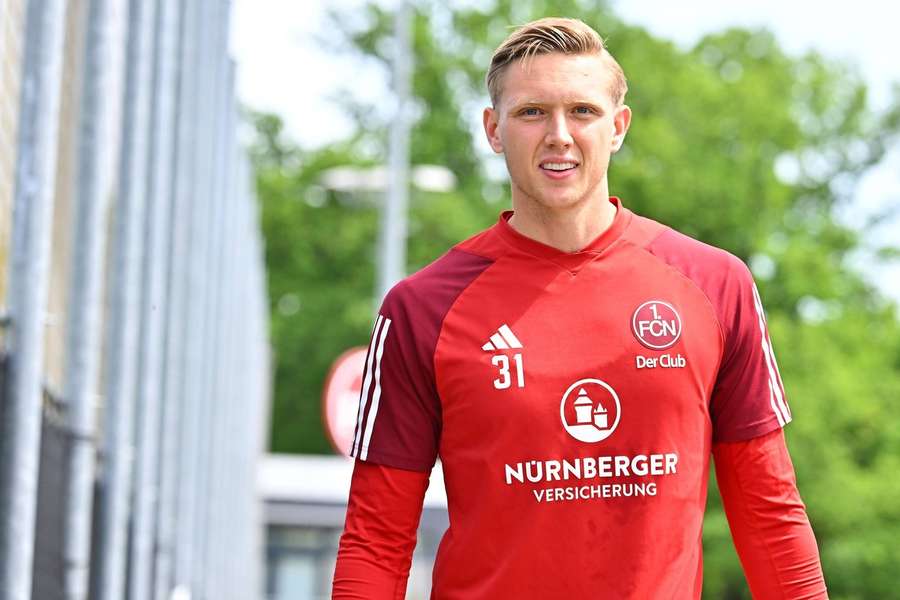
(428, 294)
(719, 275)
(455, 270)
(711, 268)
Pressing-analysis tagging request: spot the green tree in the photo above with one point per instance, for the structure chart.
(733, 142)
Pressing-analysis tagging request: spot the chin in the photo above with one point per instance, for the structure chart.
(558, 201)
(552, 198)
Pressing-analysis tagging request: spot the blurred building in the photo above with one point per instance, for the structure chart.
(12, 15)
(305, 505)
(64, 196)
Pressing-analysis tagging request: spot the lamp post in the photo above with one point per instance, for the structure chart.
(392, 249)
(394, 180)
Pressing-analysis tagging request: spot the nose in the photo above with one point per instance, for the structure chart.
(558, 132)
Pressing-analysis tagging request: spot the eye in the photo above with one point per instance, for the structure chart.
(530, 112)
(584, 110)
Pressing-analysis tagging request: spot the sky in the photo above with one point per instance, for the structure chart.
(283, 69)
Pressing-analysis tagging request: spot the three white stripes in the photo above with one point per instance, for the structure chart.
(504, 339)
(376, 350)
(776, 398)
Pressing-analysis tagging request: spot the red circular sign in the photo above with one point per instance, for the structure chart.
(340, 398)
(656, 324)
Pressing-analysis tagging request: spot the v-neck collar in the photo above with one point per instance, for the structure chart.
(571, 261)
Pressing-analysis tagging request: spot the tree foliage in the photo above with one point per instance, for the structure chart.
(733, 142)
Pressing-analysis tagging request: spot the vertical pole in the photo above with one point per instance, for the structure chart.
(260, 408)
(206, 237)
(245, 387)
(392, 250)
(255, 352)
(83, 346)
(193, 475)
(154, 309)
(229, 371)
(124, 293)
(192, 204)
(236, 377)
(20, 432)
(232, 316)
(214, 526)
(244, 392)
(174, 409)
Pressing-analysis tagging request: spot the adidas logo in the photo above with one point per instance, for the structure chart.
(504, 339)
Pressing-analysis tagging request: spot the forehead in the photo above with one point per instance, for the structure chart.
(557, 77)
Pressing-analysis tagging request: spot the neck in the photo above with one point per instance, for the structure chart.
(567, 229)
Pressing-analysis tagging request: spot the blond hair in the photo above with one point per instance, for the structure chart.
(552, 34)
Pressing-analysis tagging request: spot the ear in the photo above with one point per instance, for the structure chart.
(621, 123)
(490, 118)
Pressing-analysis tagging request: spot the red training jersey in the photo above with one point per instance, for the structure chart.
(573, 399)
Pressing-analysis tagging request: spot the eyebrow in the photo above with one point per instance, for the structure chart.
(529, 103)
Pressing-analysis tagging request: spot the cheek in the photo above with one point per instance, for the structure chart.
(515, 148)
(596, 147)
(516, 161)
(598, 133)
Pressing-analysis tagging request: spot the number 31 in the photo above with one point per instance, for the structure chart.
(504, 381)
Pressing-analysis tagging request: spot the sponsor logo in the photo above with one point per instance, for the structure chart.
(590, 410)
(656, 324)
(502, 339)
(593, 477)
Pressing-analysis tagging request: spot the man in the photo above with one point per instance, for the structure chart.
(574, 366)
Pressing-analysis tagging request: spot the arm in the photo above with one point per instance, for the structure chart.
(398, 431)
(767, 518)
(379, 536)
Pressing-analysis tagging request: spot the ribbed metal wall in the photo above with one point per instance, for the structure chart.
(138, 480)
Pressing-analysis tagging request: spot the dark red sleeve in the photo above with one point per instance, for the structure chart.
(748, 398)
(399, 418)
(768, 521)
(379, 536)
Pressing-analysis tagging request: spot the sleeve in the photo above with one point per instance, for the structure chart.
(399, 417)
(768, 520)
(376, 547)
(748, 398)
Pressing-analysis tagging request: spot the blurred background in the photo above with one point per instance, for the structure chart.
(202, 202)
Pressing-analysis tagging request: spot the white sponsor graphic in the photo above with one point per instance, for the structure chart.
(666, 361)
(590, 492)
(656, 324)
(590, 467)
(505, 339)
(590, 410)
(581, 475)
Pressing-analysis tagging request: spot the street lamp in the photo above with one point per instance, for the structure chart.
(391, 264)
(428, 178)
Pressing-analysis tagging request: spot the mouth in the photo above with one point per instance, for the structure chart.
(558, 169)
